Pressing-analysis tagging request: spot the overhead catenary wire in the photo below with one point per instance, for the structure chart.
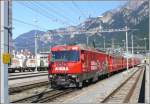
(73, 10)
(89, 12)
(37, 11)
(40, 12)
(26, 23)
(47, 29)
(35, 4)
(51, 10)
(91, 4)
(75, 5)
(23, 22)
(136, 38)
(63, 13)
(44, 14)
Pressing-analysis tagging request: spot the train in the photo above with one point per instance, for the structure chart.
(28, 64)
(74, 65)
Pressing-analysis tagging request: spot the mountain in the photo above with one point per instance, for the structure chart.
(134, 14)
(26, 40)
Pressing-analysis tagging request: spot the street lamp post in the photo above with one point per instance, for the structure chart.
(126, 29)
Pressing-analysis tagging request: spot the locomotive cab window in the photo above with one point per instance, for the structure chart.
(69, 55)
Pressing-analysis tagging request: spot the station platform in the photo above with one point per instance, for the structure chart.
(147, 84)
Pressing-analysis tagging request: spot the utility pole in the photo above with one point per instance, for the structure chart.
(126, 29)
(124, 44)
(87, 40)
(132, 44)
(50, 36)
(36, 37)
(145, 44)
(132, 49)
(5, 29)
(112, 42)
(104, 42)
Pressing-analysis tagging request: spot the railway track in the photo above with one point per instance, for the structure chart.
(21, 88)
(27, 76)
(45, 96)
(25, 69)
(25, 73)
(124, 91)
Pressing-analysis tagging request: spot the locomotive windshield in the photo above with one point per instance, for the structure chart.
(70, 55)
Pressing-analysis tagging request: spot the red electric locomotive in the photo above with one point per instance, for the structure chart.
(73, 65)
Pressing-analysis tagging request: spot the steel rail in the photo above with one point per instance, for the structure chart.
(54, 96)
(17, 89)
(127, 98)
(33, 97)
(26, 76)
(19, 74)
(44, 96)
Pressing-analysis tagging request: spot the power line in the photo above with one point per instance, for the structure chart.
(26, 23)
(73, 10)
(89, 12)
(52, 10)
(43, 14)
(68, 15)
(78, 8)
(47, 11)
(37, 11)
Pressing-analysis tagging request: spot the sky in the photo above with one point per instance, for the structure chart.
(46, 15)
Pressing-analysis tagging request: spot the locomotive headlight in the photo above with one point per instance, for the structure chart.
(56, 68)
(74, 76)
(66, 68)
(50, 76)
(62, 68)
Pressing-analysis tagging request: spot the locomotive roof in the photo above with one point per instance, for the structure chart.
(91, 49)
(82, 47)
(87, 48)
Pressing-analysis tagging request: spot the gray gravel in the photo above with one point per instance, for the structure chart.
(28, 93)
(26, 80)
